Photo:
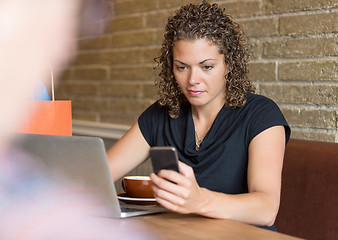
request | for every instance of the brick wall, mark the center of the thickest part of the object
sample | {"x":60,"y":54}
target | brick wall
{"x":293,"y":46}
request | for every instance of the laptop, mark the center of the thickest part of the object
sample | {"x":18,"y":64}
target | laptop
{"x":82,"y":159}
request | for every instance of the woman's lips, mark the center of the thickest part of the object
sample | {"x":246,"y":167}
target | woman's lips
{"x":195,"y":92}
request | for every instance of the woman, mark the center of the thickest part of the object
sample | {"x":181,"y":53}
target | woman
{"x":230,"y":141}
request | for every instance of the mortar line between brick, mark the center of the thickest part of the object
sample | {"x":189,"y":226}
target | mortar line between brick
{"x":276,"y":71}
{"x":293,"y":36}
{"x":320,"y":130}
{"x":289,"y":14}
{"x":308,"y":106}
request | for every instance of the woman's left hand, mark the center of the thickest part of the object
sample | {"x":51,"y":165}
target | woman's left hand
{"x":178,"y":192}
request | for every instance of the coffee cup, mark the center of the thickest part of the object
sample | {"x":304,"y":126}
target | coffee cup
{"x":137,"y":186}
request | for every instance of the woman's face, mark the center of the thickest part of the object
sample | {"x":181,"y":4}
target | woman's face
{"x":200,"y":71}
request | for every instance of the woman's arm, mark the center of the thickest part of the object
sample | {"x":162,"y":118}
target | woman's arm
{"x":259,"y":206}
{"x":127,"y":153}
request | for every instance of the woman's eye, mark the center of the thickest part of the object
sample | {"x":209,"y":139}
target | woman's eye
{"x":180,"y":68}
{"x":208,"y":67}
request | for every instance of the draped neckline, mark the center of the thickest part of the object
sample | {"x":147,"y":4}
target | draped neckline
{"x":208,"y":139}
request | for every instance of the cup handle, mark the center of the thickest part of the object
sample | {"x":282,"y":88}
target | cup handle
{"x":123,"y":186}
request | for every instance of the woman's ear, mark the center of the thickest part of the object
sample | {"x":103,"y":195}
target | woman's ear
{"x":228,"y":69}
{"x":227,"y":74}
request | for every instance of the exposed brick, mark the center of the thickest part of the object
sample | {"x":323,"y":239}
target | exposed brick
{"x":337,"y":116}
{"x":78,"y":88}
{"x":65,"y":75}
{"x":292,"y":47}
{"x":124,"y":23}
{"x":278,"y":6}
{"x":122,"y":56}
{"x":175,"y":3}
{"x":254,"y":49}
{"x":95,"y":43}
{"x":123,"y":105}
{"x":309,"y":24}
{"x":300,"y":93}
{"x":118,"y":118}
{"x":134,"y":6}
{"x":308,"y":71}
{"x":309,"y":134}
{"x":132,"y":73}
{"x":129,"y":56}
{"x":90,"y":73}
{"x":311,"y":118}
{"x":260,"y":27}
{"x":85,"y":115}
{"x":300,"y":47}
{"x":159,"y":37}
{"x":242,"y":8}
{"x":90,"y":103}
{"x":136,"y":38}
{"x":149,"y":91}
{"x":262,"y":71}
{"x":157,"y":19}
{"x":61,"y":96}
{"x":90,"y":28}
{"x":149,"y":54}
{"x":123,"y":89}
{"x":85,"y":58}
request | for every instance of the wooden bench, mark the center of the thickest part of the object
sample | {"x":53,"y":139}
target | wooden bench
{"x":309,"y":198}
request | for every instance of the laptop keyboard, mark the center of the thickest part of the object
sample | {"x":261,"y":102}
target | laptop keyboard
{"x":128,"y":209}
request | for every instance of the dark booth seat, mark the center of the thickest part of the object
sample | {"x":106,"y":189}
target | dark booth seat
{"x":309,"y":199}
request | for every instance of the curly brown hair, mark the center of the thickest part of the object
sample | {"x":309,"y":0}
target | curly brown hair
{"x":204,"y":21}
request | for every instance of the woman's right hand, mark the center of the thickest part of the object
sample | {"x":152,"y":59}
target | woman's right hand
{"x":178,"y":192}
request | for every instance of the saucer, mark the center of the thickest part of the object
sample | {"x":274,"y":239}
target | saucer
{"x":139,"y":201}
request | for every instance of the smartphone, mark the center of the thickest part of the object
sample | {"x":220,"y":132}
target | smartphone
{"x":164,"y":158}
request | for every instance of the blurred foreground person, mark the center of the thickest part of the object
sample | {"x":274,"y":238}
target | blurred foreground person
{"x":33,"y":205}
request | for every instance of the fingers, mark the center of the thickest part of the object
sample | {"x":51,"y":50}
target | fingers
{"x":167,"y":188}
{"x":177,"y":178}
{"x":167,"y":194}
{"x":174,"y":182}
{"x":175,"y":191}
{"x":164,"y":182}
{"x":171,"y":206}
{"x":185,"y":169}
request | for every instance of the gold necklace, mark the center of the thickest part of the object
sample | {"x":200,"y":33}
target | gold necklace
{"x":198,"y":141}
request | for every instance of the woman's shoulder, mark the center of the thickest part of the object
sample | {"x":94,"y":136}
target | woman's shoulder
{"x":156,"y":107}
{"x":260,"y":105}
{"x":252,"y":97}
{"x":154,"y":111}
{"x":265,"y":113}
{"x":258,"y":101}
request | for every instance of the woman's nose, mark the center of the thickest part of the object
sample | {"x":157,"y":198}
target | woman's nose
{"x":194,"y":77}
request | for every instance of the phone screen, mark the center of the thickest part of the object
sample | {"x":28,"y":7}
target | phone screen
{"x":164,"y":158}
